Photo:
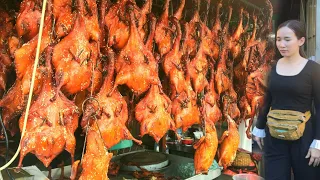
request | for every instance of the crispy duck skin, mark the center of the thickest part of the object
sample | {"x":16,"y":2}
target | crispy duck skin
{"x":235,"y":45}
{"x":117,"y":22}
{"x":117,"y":25}
{"x":28,"y":20}
{"x":245,"y":109}
{"x":142,"y":16}
{"x":163,"y":33}
{"x":185,"y":109}
{"x":229,"y":144}
{"x":96,"y":159}
{"x":75,"y":56}
{"x":172,"y":63}
{"x":25,"y":55}
{"x":95,"y":162}
{"x":198,"y":67}
{"x":50,"y":124}
{"x":222,"y":79}
{"x":12,"y":104}
{"x":223,"y":74}
{"x":211,"y":110}
{"x":255,"y":90}
{"x":64,"y":14}
{"x":14,"y":101}
{"x":109,"y":111}
{"x":5,"y":59}
{"x":206,"y":149}
{"x":190,"y":46}
{"x":154,"y":114}
{"x":251,"y":42}
{"x":136,"y":66}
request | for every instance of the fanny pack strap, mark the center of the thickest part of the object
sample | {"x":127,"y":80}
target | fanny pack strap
{"x":307,"y":114}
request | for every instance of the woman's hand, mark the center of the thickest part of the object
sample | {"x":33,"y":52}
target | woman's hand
{"x":314,"y":155}
{"x":259,"y":141}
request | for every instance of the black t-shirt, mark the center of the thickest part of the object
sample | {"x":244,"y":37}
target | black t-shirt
{"x":293,"y":93}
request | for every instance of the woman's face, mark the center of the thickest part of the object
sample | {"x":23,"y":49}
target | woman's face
{"x":287,"y":42}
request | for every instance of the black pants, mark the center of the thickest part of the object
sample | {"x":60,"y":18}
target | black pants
{"x":282,"y":157}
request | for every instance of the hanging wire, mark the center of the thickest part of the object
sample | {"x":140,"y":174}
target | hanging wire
{"x":87,"y":126}
{"x":7,"y":145}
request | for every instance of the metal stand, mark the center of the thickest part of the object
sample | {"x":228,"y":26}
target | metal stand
{"x":7,"y":145}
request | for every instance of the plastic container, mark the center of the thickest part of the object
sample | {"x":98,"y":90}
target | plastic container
{"x":122,"y":144}
{"x":247,"y":177}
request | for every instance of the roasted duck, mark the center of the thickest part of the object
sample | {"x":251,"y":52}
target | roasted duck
{"x":154,"y":114}
{"x":51,"y":123}
{"x":206,"y":149}
{"x":108,"y":111}
{"x":117,"y":22}
{"x":229,"y":143}
{"x":211,"y":110}
{"x":136,"y":66}
{"x":29,"y":19}
{"x":185,"y":109}
{"x":75,"y":56}
{"x":64,"y":12}
{"x":163,"y":34}
{"x":95,"y":161}
{"x":173,"y":65}
{"x":7,"y":24}
{"x":24,"y":56}
{"x":198,"y":66}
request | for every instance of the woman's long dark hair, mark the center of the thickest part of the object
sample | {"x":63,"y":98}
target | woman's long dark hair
{"x":299,"y":30}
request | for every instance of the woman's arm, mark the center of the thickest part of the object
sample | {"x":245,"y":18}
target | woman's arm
{"x":262,"y":117}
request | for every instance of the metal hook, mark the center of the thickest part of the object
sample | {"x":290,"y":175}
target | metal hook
{"x":91,"y":98}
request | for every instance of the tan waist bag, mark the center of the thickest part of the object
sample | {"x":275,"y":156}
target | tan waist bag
{"x":287,"y":124}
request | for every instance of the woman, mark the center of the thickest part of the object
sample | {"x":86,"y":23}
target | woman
{"x":294,"y":84}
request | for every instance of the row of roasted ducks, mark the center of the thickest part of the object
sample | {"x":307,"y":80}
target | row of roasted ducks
{"x":78,"y":66}
{"x":53,"y":118}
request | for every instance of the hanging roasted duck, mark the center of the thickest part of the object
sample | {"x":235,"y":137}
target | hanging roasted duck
{"x":173,"y":65}
{"x":192,"y":37}
{"x":198,"y":66}
{"x":75,"y":57}
{"x":64,"y":12}
{"x":51,"y":122}
{"x":206,"y":149}
{"x":14,"y":101}
{"x":229,"y":143}
{"x":28,"y":20}
{"x":24,"y":56}
{"x":7,"y":24}
{"x":235,"y":45}
{"x":256,"y":86}
{"x":117,"y":22}
{"x":164,"y":31}
{"x":223,"y":73}
{"x":185,"y":109}
{"x":210,"y":41}
{"x":95,"y":161}
{"x":136,"y":66}
{"x":211,"y":109}
{"x":108,"y":110}
{"x":154,"y":114}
